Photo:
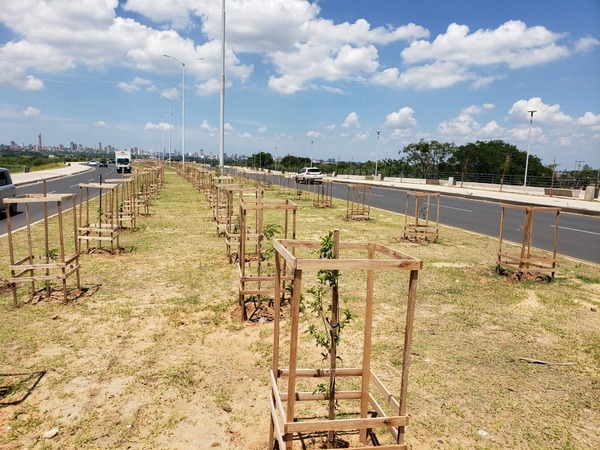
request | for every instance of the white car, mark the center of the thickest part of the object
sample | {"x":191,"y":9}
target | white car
{"x":92,"y":162}
{"x":309,"y":175}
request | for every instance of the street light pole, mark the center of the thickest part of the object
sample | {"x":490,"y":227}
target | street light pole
{"x":182,"y":106}
{"x":376,"y":153}
{"x":531,"y":111}
{"x":169,"y":99}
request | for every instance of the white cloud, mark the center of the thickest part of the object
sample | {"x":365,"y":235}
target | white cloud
{"x":30,"y":111}
{"x":361,"y":137}
{"x":162,"y":126}
{"x":135,"y":85}
{"x":351,"y":121}
{"x":403,"y":118}
{"x":544,"y":113}
{"x":101,"y":124}
{"x":262,"y":130}
{"x":478,"y":109}
{"x":205,"y":126}
{"x":313,"y":134}
{"x":590,"y":119}
{"x":586,"y":44}
{"x":512,"y":44}
{"x":429,"y":76}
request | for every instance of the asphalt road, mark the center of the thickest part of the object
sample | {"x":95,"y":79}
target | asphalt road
{"x":65,"y":185}
{"x":578,"y":235}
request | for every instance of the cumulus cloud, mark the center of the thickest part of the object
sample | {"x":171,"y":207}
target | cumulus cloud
{"x":544,"y":113}
{"x":262,"y":130}
{"x":586,"y":44}
{"x":351,"y":121}
{"x":30,"y":111}
{"x":162,"y":126}
{"x":403,"y":118}
{"x":459,"y":56}
{"x":313,"y":134}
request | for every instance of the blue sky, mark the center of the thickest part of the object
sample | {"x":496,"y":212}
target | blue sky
{"x":309,"y":78}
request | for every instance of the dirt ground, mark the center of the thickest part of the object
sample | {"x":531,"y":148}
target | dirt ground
{"x":152,"y":354}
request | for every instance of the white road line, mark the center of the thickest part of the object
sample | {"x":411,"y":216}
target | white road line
{"x":575,"y":229}
{"x":457,"y":209}
{"x":74,"y":185}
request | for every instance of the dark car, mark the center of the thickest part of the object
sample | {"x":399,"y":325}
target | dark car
{"x":103,"y":163}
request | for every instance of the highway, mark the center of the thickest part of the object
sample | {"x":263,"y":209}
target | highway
{"x":578,"y":235}
{"x":65,"y":185}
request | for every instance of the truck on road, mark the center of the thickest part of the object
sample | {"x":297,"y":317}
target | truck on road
{"x":7,"y":189}
{"x":123,"y":161}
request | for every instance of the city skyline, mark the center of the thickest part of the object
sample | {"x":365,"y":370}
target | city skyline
{"x":315,"y":79}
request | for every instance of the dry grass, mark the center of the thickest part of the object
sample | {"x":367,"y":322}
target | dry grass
{"x":154,"y":357}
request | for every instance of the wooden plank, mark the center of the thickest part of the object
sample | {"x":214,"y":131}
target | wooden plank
{"x":276,"y":424}
{"x":381,"y":413}
{"x":316,"y":396}
{"x":323,"y":373}
{"x":387,"y":395}
{"x":344,"y":424}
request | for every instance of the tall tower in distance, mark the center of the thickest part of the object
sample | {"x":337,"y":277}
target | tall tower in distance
{"x":39,"y":142}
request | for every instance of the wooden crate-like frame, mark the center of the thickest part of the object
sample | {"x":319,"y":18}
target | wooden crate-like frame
{"x":50,"y":264}
{"x":524,"y":260}
{"x":424,"y":224}
{"x":234,"y":193}
{"x":103,"y":227}
{"x":323,"y":196}
{"x":251,"y":223}
{"x":285,"y":425}
{"x":358,"y":205}
{"x":126,"y":215}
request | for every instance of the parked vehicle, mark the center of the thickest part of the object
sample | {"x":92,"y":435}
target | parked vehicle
{"x":123,"y":161}
{"x":309,"y":175}
{"x":7,"y":189}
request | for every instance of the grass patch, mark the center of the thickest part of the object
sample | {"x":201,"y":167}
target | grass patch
{"x":156,"y":358}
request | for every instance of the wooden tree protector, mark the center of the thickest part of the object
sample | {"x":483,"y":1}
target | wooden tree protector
{"x":424,"y":224}
{"x":219,"y":201}
{"x":302,"y":190}
{"x":358,"y":205}
{"x":45,"y":263}
{"x":126,"y":215}
{"x":323,"y":196}
{"x":523,"y":260}
{"x":232,"y":233}
{"x":100,"y":225}
{"x":284,"y":184}
{"x":286,"y":425}
{"x":255,"y":283}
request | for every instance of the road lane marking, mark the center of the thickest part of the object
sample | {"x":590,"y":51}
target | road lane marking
{"x":578,"y":230}
{"x":457,"y":209}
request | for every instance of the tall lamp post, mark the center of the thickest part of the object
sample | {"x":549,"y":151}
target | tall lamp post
{"x":531,"y":111}
{"x":169,"y":100}
{"x":182,"y":105}
{"x":376,"y":153}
